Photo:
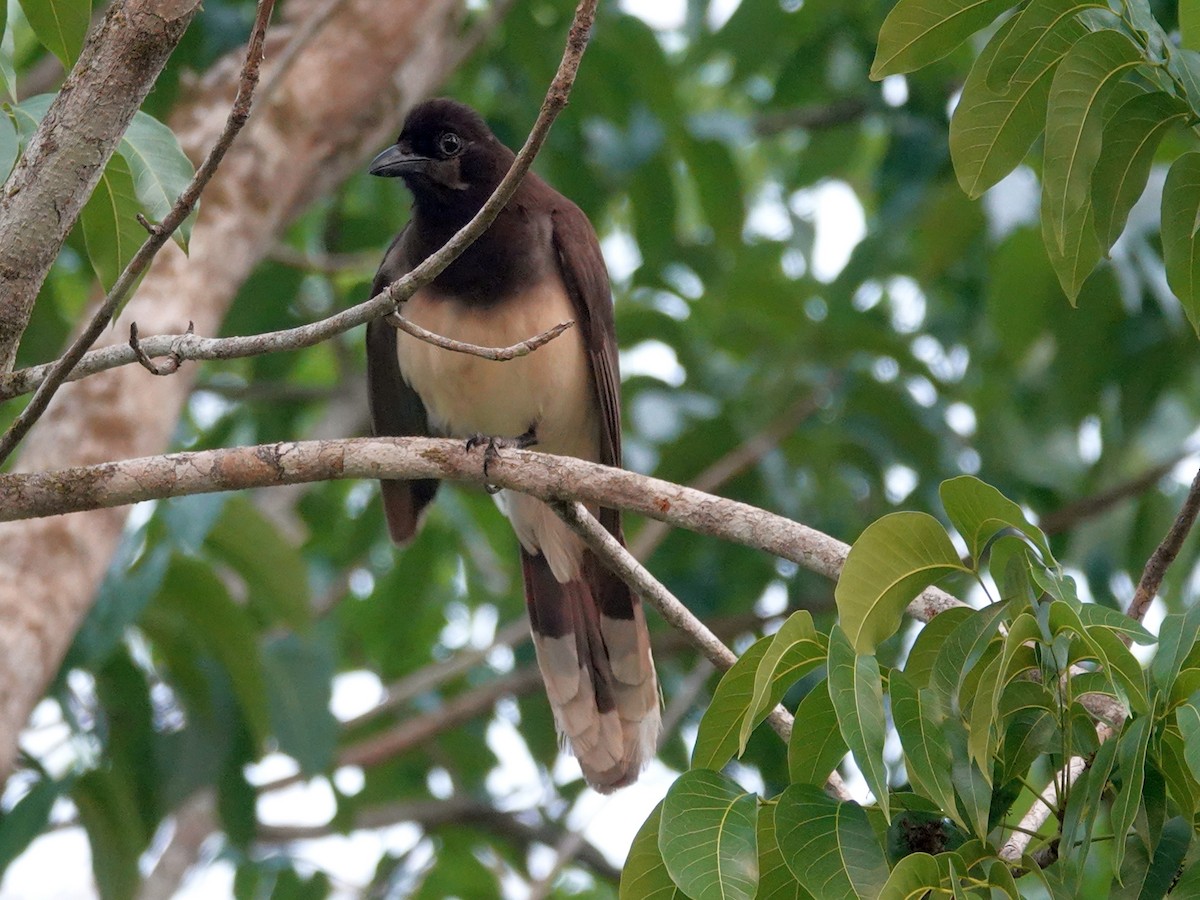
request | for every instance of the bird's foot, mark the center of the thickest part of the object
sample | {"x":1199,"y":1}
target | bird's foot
{"x":492,"y":446}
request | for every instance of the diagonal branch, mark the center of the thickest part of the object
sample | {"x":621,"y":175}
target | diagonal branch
{"x":159,"y":235}
{"x":1164,"y":554}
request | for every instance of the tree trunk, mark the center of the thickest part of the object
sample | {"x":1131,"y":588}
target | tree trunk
{"x":341,"y":97}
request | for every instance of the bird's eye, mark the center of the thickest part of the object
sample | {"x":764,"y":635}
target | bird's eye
{"x":449,"y":143}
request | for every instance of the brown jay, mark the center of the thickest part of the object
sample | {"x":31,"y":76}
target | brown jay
{"x":537,"y":265}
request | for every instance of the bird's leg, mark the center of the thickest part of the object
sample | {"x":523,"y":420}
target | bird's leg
{"x":493,"y":445}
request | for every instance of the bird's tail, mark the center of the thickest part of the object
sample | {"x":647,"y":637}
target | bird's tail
{"x":594,"y":652}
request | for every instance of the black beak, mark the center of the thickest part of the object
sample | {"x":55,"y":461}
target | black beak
{"x":393,"y":161}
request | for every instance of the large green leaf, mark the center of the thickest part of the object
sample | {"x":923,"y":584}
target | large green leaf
{"x":27,"y":819}
{"x":918,"y":32}
{"x":107,"y":812}
{"x":60,"y":25}
{"x":1131,"y":135}
{"x":979,"y":511}
{"x":644,"y":875}
{"x":299,"y":674}
{"x":1176,"y":637}
{"x":816,"y":745}
{"x":992,"y":130}
{"x":717,"y":737}
{"x":795,"y":650}
{"x":1075,"y":125}
{"x":926,"y":753}
{"x":918,"y":668}
{"x":913,"y":878}
{"x":161,"y":170}
{"x":856,"y":688}
{"x":961,"y":651}
{"x":1038,"y":23}
{"x":110,"y":225}
{"x":775,"y":879}
{"x":1181,"y":255}
{"x":893,"y":560}
{"x":708,"y":836}
{"x":829,"y":845}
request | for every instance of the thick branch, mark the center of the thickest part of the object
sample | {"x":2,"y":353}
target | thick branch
{"x":550,"y":478}
{"x":159,"y":235}
{"x":67,"y":154}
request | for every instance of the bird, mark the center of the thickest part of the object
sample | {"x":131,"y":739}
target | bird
{"x":538,"y":264}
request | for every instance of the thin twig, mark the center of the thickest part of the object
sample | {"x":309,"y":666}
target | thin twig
{"x":496,"y":354}
{"x":1164,"y":554}
{"x":1066,"y":517}
{"x":678,"y":616}
{"x":183,"y":207}
{"x":383,"y":303}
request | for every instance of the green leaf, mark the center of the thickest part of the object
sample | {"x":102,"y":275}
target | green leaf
{"x":201,"y":604}
{"x":274,"y":571}
{"x":893,"y":560}
{"x":26,"y":820}
{"x":299,"y":675}
{"x":856,"y":689}
{"x":829,"y":845}
{"x":913,"y":878}
{"x":1041,"y":21}
{"x":991,"y":131}
{"x":1181,"y":781}
{"x":717,"y":737}
{"x":973,"y":788}
{"x":108,"y":813}
{"x":161,"y":170}
{"x":1180,"y":211}
{"x":775,"y":879}
{"x":1176,"y":637}
{"x":979,"y":511}
{"x":926,"y":753}
{"x":60,"y":25}
{"x":1131,"y":760}
{"x":817,"y":745}
{"x":961,"y":651}
{"x":10,"y":144}
{"x":1131,"y":136}
{"x":1093,"y":615}
{"x":918,"y":32}
{"x":1075,"y":125}
{"x":109,"y":221}
{"x":1077,"y":256}
{"x":644,"y":875}
{"x":919,"y":665}
{"x":708,"y":836}
{"x":1187,"y":716}
{"x":795,"y":650}
{"x":1189,"y":24}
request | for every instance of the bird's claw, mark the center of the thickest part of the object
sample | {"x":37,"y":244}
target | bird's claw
{"x":492,"y":446}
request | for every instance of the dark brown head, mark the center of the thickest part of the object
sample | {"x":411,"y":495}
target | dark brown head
{"x":448,"y":158}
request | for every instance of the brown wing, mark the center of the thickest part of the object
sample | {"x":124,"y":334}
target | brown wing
{"x":396,"y":410}
{"x":586,"y":278}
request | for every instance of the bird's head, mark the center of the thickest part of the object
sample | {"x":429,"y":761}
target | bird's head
{"x":446,"y":154}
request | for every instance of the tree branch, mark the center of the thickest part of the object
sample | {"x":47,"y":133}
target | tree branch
{"x":66,"y":156}
{"x":159,"y":235}
{"x":1066,"y":517}
{"x":1164,"y":554}
{"x":547,"y":477}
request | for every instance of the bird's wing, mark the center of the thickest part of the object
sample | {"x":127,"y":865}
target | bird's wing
{"x":396,"y":410}
{"x":586,"y":279}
